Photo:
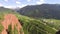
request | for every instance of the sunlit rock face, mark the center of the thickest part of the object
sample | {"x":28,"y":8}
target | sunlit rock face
{"x":12,"y":20}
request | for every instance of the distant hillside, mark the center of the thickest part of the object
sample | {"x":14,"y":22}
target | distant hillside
{"x":6,"y":10}
{"x":39,"y":11}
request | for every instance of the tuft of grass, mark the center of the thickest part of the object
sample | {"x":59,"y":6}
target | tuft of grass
{"x":10,"y":29}
{"x":15,"y":30}
{"x":1,"y":28}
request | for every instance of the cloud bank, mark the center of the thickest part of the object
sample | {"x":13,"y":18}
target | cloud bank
{"x":40,"y":2}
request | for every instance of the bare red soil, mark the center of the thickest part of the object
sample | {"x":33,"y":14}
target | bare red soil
{"x":10,"y":19}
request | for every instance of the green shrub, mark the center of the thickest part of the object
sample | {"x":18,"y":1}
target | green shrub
{"x":1,"y":27}
{"x":10,"y":29}
{"x":15,"y":30}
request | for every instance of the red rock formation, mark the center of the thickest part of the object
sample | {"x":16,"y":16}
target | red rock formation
{"x":10,"y":19}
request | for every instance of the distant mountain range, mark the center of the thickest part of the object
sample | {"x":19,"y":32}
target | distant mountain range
{"x":38,"y":11}
{"x":41,"y":11}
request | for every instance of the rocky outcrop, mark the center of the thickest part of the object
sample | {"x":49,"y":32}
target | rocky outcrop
{"x":11,"y":20}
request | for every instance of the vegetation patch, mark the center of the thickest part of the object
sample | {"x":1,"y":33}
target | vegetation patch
{"x":10,"y":31}
{"x":15,"y":30}
{"x":1,"y":28}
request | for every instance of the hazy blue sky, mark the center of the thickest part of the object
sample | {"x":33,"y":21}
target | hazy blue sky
{"x":22,"y":3}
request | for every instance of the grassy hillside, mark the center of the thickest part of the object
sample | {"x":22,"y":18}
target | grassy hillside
{"x":53,"y":22}
{"x":34,"y":26}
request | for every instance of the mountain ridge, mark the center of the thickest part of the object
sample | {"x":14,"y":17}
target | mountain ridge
{"x":39,"y":11}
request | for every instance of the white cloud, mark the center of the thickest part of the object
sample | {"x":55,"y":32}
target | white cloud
{"x":40,"y":2}
{"x":6,"y":0}
{"x":1,"y":5}
{"x":8,"y":6}
{"x":11,"y":7}
{"x":22,"y":5}
{"x":28,"y":0}
{"x":17,"y":2}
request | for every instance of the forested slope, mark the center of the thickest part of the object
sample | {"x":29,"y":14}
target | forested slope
{"x":41,"y":11}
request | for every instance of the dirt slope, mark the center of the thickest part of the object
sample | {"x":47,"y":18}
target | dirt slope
{"x":13,"y":20}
